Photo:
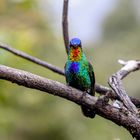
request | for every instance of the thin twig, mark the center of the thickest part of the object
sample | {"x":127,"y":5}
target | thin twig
{"x":65,"y":24}
{"x":31,"y":58}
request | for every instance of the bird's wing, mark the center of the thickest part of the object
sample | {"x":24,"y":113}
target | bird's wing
{"x":66,"y":75}
{"x":92,"y":78}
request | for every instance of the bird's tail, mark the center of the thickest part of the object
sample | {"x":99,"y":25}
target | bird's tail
{"x":88,"y":112}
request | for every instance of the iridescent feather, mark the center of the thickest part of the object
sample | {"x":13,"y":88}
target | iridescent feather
{"x":79,"y":72}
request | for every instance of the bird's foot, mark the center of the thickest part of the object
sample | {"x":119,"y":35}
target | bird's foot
{"x":83,"y":95}
{"x":104,"y":99}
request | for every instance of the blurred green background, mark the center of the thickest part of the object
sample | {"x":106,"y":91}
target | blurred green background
{"x":27,"y":114}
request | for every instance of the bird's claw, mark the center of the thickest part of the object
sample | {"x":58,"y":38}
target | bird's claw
{"x":83,"y":95}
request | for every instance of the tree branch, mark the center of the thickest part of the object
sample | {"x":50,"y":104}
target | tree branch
{"x":128,"y":67}
{"x":116,"y":84}
{"x":121,"y":117}
{"x":31,"y":58}
{"x":104,"y":90}
{"x":99,"y":88}
{"x":65,"y":24}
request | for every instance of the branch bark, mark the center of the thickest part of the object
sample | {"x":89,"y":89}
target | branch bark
{"x":129,"y":66}
{"x":116,"y":83}
{"x":121,"y":116}
{"x":102,"y":90}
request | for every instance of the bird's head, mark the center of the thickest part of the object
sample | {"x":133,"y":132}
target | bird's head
{"x":75,"y":51}
{"x":75,"y":43}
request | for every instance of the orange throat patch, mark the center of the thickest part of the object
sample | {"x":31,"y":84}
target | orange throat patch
{"x":75,"y":54}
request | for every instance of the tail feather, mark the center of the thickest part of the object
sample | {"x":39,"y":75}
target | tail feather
{"x":88,"y":112}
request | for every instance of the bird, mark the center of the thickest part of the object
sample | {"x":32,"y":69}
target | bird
{"x":79,"y":72}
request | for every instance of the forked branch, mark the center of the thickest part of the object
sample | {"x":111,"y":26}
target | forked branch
{"x":116,"y":84}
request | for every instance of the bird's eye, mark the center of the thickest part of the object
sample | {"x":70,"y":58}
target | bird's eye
{"x":71,"y":45}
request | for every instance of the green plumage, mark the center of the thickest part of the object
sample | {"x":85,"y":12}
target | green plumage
{"x":79,"y":72}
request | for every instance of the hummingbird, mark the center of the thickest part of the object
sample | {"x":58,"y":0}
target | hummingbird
{"x":79,"y":72}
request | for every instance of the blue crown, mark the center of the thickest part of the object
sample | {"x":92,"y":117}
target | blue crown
{"x":75,"y":42}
